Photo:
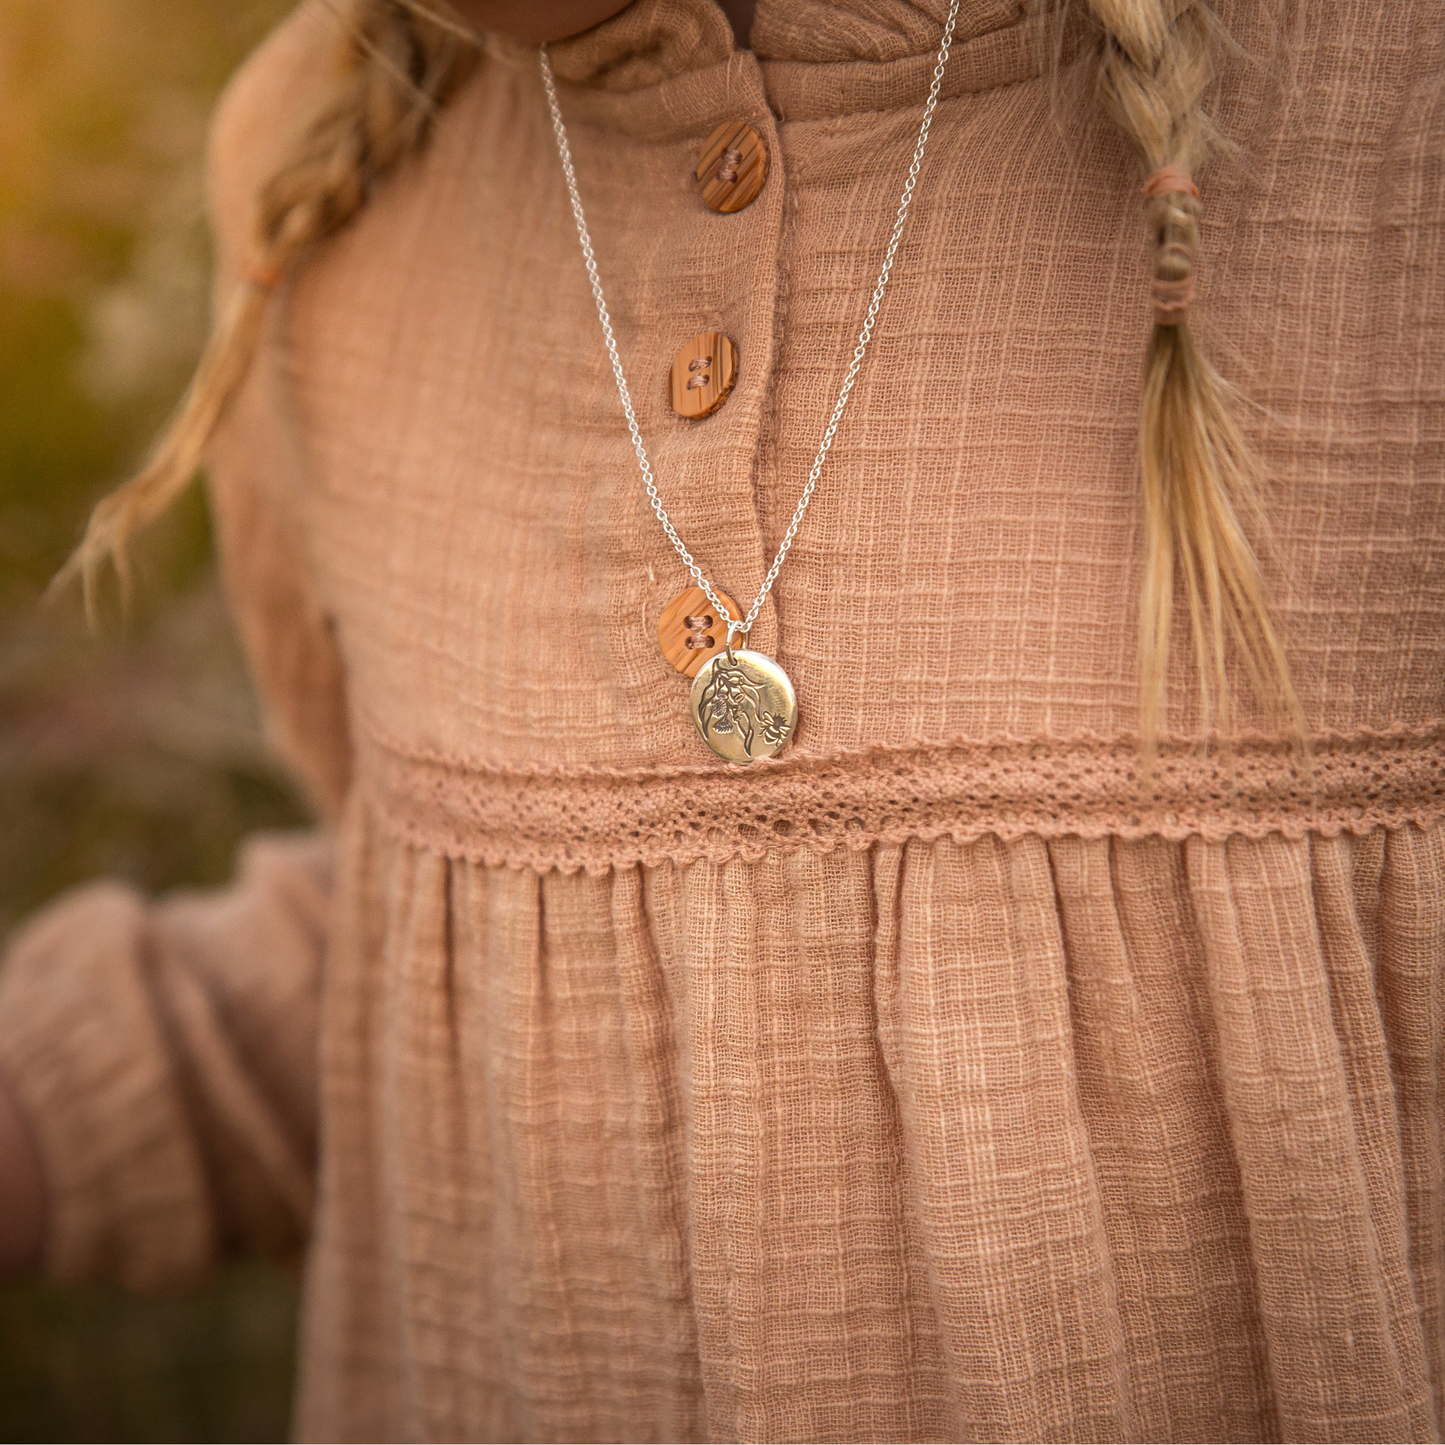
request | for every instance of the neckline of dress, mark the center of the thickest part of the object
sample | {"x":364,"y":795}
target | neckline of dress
{"x":663,"y":66}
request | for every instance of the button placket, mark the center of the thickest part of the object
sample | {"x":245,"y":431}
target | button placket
{"x":713,"y":506}
{"x":680,"y":269}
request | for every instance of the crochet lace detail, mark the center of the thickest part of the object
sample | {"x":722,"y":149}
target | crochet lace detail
{"x":1089,"y":786}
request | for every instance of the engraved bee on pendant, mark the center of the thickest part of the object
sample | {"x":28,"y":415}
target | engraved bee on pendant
{"x":744,"y":706}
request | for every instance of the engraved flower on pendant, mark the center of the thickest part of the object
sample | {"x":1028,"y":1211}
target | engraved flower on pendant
{"x":744,"y":706}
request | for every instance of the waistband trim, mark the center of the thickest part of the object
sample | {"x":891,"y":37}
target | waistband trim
{"x":596,"y":818}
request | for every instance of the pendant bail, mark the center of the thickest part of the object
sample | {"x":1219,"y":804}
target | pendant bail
{"x":741,"y":631}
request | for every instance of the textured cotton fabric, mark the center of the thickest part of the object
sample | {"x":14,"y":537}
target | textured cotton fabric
{"x":945,"y":1078}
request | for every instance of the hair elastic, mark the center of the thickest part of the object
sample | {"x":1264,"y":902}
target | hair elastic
{"x":1170,"y":180}
{"x":1172,"y":299}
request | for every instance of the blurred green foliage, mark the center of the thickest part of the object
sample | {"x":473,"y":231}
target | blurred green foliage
{"x":137,"y":754}
{"x":96,"y":1364}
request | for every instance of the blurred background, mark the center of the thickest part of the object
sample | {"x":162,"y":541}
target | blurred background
{"x":137,"y":752}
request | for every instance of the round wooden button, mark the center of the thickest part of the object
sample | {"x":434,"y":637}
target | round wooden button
{"x":732,"y":167}
{"x":703,"y":373}
{"x":690,"y":630}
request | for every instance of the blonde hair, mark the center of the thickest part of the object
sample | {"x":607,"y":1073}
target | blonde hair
{"x":400,"y":64}
{"x":1198,"y":473}
{"x":1197,"y":468}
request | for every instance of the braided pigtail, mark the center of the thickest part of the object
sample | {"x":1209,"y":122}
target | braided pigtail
{"x":1198,"y":471}
{"x":401,"y":63}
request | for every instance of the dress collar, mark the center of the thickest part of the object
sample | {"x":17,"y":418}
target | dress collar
{"x":646,"y":69}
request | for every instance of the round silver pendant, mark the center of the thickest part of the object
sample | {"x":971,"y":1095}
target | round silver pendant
{"x":744,"y":706}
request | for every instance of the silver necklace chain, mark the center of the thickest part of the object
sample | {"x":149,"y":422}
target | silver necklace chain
{"x":859,"y":351}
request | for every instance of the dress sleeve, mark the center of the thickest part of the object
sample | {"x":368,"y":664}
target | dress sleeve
{"x":164,"y":1053}
{"x":164,"y":1056}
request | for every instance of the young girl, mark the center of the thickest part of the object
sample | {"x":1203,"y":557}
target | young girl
{"x":997,"y":994}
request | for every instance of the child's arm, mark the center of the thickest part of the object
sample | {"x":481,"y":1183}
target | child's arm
{"x":162,"y":1057}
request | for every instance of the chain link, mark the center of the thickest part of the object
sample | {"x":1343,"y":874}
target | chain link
{"x":744,"y":626}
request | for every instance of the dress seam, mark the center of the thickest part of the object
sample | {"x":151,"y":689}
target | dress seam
{"x":594,"y":818}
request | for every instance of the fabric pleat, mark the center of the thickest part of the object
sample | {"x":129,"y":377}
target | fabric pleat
{"x":1145,"y":1048}
{"x":1328,"y":1250}
{"x":1000,"y":1175}
{"x":1401,"y":905}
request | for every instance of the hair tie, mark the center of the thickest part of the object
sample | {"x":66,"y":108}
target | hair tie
{"x":1172,"y":295}
{"x":1171,"y":300}
{"x":1170,"y":180}
{"x":263,"y":275}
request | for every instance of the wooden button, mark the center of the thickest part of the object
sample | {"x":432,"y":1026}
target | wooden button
{"x":703,"y":373}
{"x":690,"y":630}
{"x":733,"y":167}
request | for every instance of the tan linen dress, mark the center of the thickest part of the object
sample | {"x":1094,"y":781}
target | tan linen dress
{"x":939,"y":1080}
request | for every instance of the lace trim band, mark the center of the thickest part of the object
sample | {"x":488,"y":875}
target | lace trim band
{"x":596,"y":818}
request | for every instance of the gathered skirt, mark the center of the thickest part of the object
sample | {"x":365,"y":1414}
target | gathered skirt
{"x":1004,"y":1140}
